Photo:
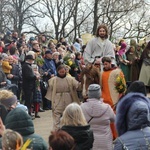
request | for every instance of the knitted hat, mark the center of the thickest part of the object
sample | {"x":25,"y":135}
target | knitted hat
{"x":94,"y":91}
{"x":4,"y":56}
{"x":9,"y":101}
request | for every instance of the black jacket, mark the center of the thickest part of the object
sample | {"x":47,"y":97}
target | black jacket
{"x":28,"y":76}
{"x":82,"y":135}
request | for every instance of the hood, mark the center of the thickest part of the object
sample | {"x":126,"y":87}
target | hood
{"x":132,"y":113}
{"x":18,"y":120}
{"x":82,"y":134}
{"x":94,"y":107}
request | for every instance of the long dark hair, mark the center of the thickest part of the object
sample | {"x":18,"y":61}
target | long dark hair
{"x":104,"y":27}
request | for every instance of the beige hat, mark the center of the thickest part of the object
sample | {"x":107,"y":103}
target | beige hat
{"x":55,"y":53}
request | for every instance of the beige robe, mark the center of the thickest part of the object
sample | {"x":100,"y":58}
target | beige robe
{"x":62,"y":92}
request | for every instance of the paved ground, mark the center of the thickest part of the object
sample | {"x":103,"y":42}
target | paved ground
{"x":43,"y":125}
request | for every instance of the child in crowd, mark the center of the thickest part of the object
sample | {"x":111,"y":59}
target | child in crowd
{"x":61,"y":140}
{"x":5,"y":64}
{"x":37,"y":97}
{"x":11,"y":140}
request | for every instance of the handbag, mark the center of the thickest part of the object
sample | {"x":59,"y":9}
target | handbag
{"x":44,"y":85}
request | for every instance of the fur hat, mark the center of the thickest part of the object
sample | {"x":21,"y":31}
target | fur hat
{"x":124,"y":107}
{"x":9,"y":101}
{"x":94,"y":91}
{"x":137,"y":86}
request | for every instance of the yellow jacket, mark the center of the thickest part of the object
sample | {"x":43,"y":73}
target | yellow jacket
{"x":6,"y":67}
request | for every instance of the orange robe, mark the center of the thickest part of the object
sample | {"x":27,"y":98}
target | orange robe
{"x":109,"y":94}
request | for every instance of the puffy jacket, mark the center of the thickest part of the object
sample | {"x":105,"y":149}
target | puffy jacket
{"x":132,"y":122}
{"x":82,"y":135}
{"x":18,"y":120}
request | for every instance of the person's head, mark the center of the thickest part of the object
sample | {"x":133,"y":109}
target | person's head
{"x":43,"y":38}
{"x":132,"y":113}
{"x":72,"y":56}
{"x":31,"y":39}
{"x":102,"y":31}
{"x":8,"y":99}
{"x":61,"y":71}
{"x":73,"y":116}
{"x":61,"y":140}
{"x":11,"y":60}
{"x":67,"y":68}
{"x":131,"y":49}
{"x":48,"y":54}
{"x":4,"y":56}
{"x":55,"y":55}
{"x":13,"y":50}
{"x":106,"y":63}
{"x":31,"y":53}
{"x":30,"y":59}
{"x":11,"y":140}
{"x":20,"y":121}
{"x":78,"y":55}
{"x":36,"y":47}
{"x":94,"y":91}
{"x":62,"y":39}
{"x":137,"y":87}
{"x":34,"y":67}
{"x":15,"y":34}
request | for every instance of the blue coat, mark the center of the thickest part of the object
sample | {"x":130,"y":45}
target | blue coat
{"x":133,"y":122}
{"x":49,"y":65}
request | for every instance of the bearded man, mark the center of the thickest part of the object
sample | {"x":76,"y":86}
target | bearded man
{"x":99,"y":47}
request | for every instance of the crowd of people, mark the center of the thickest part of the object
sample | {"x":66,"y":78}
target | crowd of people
{"x":42,"y":74}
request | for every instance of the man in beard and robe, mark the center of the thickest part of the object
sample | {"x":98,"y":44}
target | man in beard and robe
{"x":62,"y":91}
{"x":99,"y":47}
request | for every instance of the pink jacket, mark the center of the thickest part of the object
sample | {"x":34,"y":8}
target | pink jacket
{"x":99,"y":115}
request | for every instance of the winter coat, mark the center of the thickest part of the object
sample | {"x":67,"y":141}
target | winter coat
{"x":6,"y":67}
{"x":18,"y":120}
{"x":132,"y":122}
{"x":2,"y":76}
{"x":99,"y":115}
{"x":28,"y":77}
{"x":82,"y":135}
{"x":49,"y":66}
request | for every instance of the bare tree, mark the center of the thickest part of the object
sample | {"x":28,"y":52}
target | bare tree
{"x":4,"y":17}
{"x":21,"y":11}
{"x":65,"y":15}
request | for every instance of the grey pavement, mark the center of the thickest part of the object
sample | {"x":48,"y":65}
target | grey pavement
{"x":43,"y":125}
